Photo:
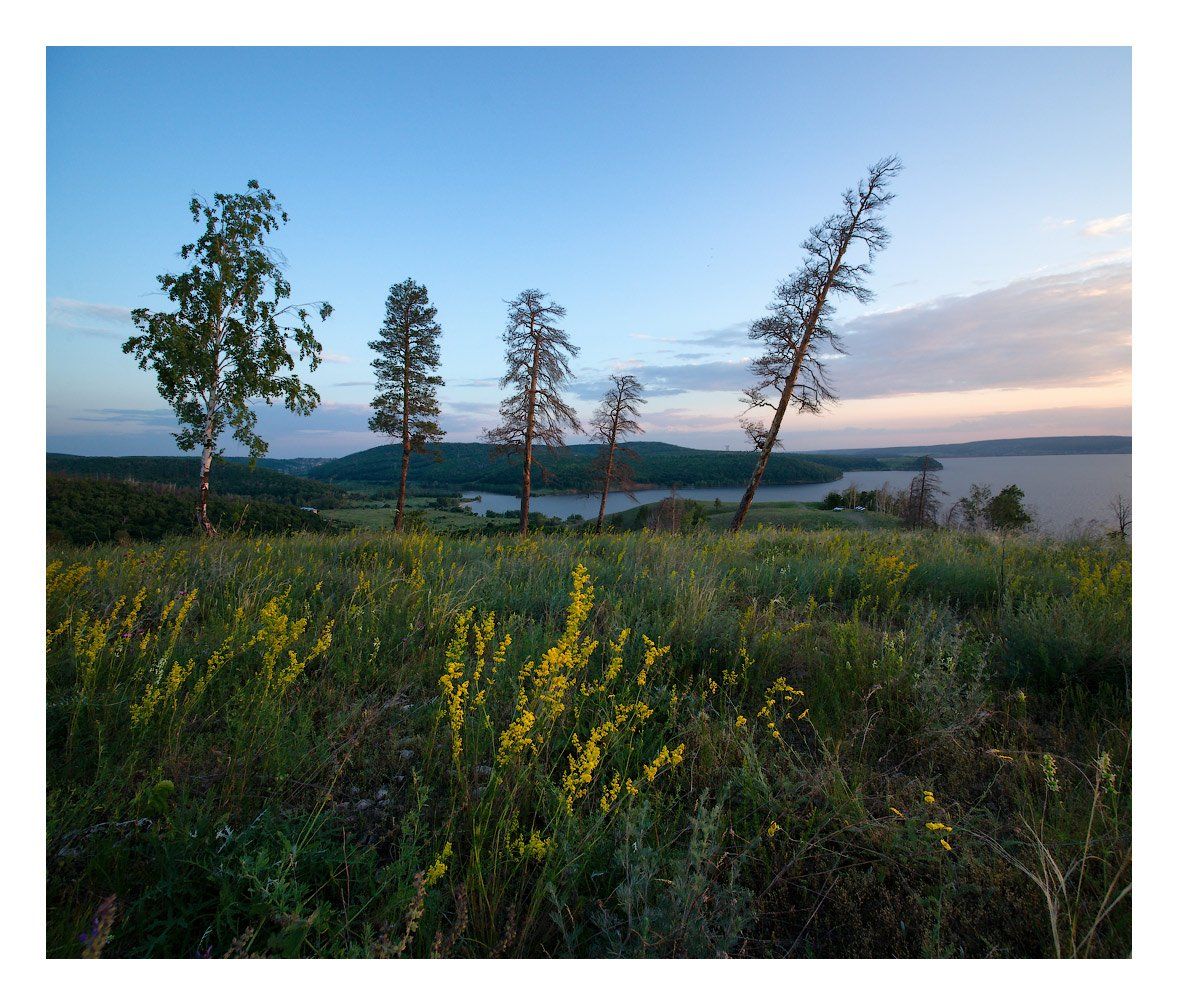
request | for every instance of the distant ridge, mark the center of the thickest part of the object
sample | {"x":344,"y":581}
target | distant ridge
{"x":1026,"y":446}
{"x":472,"y":466}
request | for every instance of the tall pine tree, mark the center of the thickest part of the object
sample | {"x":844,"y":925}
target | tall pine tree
{"x":537,"y":357}
{"x":406,"y":404}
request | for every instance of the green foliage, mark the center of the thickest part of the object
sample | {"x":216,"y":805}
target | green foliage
{"x":302,"y":696}
{"x":234,"y":476}
{"x":473,"y":467}
{"x":1005,"y":511}
{"x":225,"y":345}
{"x":407,"y":355}
{"x":97,"y":511}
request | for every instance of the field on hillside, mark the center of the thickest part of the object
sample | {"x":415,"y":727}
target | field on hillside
{"x":781,"y":743}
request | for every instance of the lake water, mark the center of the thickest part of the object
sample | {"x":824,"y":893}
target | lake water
{"x":1061,"y":490}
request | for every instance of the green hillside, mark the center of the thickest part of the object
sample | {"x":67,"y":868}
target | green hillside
{"x":470,"y":466}
{"x":230,"y":476}
{"x":81,"y":510}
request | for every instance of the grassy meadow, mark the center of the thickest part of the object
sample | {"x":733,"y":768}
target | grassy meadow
{"x":783,"y":743}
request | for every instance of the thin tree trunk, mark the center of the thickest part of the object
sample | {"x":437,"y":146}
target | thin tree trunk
{"x":526,"y":492}
{"x":404,"y":480}
{"x":206,"y":464}
{"x":397,"y":524}
{"x":920,"y":503}
{"x":746,"y":501}
{"x":609,"y":470}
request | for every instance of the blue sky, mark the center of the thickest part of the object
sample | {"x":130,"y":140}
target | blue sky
{"x":658,"y":194}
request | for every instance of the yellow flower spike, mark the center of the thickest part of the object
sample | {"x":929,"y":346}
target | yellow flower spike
{"x":772,"y":829}
{"x":740,"y":721}
{"x":897,"y":812}
{"x":946,"y":845}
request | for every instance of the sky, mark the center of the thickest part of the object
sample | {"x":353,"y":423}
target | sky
{"x":658,"y":194}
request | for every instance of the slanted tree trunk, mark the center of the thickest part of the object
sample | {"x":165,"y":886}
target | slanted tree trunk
{"x":609,"y":470}
{"x":812,"y":319}
{"x":746,"y":500}
{"x":529,"y":431}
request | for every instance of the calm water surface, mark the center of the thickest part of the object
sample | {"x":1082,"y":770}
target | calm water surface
{"x":1063,"y":490}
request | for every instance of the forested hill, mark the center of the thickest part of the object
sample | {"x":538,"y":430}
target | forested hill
{"x":81,"y":510}
{"x":470,"y":466}
{"x":230,"y":477}
{"x":1026,"y":446}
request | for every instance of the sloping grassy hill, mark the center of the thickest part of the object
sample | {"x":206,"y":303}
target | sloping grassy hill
{"x":470,"y":466}
{"x":229,"y":477}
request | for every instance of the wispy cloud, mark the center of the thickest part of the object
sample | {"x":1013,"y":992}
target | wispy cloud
{"x":1109,"y":226}
{"x":336,"y":357}
{"x":1045,"y":331}
{"x":79,"y":317}
{"x":140,"y":418}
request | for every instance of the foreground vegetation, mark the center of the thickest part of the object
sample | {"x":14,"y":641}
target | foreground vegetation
{"x":774,"y":744}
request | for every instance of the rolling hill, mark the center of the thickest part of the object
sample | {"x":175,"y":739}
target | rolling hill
{"x":81,"y":510}
{"x":471,"y":467}
{"x":230,"y":476}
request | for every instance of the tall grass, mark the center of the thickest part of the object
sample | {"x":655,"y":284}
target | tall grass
{"x":631,"y":744}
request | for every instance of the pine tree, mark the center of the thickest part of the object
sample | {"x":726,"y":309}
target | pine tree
{"x":537,"y":357}
{"x":616,"y":418}
{"x":796,"y":334}
{"x":406,"y":404}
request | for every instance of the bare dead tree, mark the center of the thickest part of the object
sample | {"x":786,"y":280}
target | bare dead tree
{"x":796,"y":334}
{"x":1122,"y":513}
{"x":537,"y":357}
{"x":924,"y":492}
{"x":616,"y":418}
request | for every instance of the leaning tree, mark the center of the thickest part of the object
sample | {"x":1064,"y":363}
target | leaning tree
{"x":796,"y":335}
{"x":227,"y":344}
{"x":405,"y":407}
{"x":537,"y":357}
{"x":615,"y":419}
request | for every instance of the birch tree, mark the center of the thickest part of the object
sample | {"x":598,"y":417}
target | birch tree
{"x":537,"y":357}
{"x":405,"y":407}
{"x":230,"y":340}
{"x":615,"y":419}
{"x":796,"y":334}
